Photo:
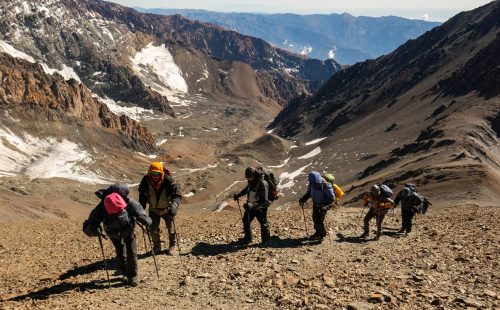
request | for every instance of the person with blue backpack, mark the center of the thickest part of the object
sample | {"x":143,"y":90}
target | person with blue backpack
{"x":322,"y":195}
{"x":379,"y":200}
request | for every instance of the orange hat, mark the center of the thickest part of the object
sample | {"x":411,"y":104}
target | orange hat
{"x":156,"y":166}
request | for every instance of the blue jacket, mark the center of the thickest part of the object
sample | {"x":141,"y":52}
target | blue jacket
{"x":321,"y":192}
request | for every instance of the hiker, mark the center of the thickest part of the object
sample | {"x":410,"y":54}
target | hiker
{"x":411,"y":204}
{"x":257,"y":192}
{"x":118,"y":213}
{"x":379,"y":201}
{"x":159,"y":190}
{"x":323,"y":197}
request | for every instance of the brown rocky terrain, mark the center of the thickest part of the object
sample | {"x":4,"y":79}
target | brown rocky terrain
{"x":450,"y":261}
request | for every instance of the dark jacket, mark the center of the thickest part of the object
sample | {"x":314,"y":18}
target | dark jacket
{"x":321,"y":192}
{"x":98,"y":215}
{"x":409,"y":198}
{"x":260,"y":186}
{"x":169,"y":188}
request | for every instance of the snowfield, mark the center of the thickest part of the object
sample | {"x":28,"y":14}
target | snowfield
{"x":44,"y":158}
{"x":157,"y":69}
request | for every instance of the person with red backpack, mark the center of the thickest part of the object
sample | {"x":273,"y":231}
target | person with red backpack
{"x":257,"y":192}
{"x":323,"y":197}
{"x":118,"y":213}
{"x":379,"y":201}
{"x":163,"y":195}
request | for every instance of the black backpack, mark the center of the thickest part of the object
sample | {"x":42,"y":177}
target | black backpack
{"x":269,"y":177}
{"x":118,"y":225}
{"x":411,"y":198}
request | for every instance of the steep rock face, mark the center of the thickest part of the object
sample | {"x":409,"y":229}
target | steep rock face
{"x":82,"y":44}
{"x":26,"y":85}
{"x":215,"y":41}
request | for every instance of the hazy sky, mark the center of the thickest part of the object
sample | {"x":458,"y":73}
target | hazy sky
{"x":438,"y":10}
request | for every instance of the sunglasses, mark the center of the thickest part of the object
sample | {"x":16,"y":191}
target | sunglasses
{"x":155,"y":174}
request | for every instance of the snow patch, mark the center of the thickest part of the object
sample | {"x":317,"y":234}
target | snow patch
{"x":190,"y":194}
{"x":66,"y":72}
{"x":315,"y":141}
{"x":290,"y":178}
{"x":44,"y":158}
{"x":136,"y":113}
{"x":283,"y":164}
{"x":312,"y":153}
{"x":161,"y":142}
{"x":156,"y":67}
{"x":221,"y":206}
{"x":189,"y":170}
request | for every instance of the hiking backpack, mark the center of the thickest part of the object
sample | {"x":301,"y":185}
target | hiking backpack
{"x":385,"y":191}
{"x":117,"y":220}
{"x":269,"y":177}
{"x":339,"y":193}
{"x":411,"y":198}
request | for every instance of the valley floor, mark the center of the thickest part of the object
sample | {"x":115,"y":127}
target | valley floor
{"x":450,"y":261}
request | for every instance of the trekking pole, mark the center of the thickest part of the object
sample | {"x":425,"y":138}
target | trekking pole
{"x":361,"y":215}
{"x":304,"y":215}
{"x":104,"y":256}
{"x":328,"y":228}
{"x":153,"y":252}
{"x":176,"y":235}
{"x":143,"y":236}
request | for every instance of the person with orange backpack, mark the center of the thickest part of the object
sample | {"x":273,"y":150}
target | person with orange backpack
{"x":163,"y":195}
{"x":379,"y":201}
{"x":323,"y":197}
{"x":118,"y":213}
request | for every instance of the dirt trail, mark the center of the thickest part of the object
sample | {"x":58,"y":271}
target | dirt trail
{"x":450,"y":261}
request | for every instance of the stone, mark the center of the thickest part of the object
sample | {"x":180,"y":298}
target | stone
{"x":376,"y":297}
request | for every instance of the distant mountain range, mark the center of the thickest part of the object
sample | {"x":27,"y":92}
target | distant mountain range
{"x":343,"y":37}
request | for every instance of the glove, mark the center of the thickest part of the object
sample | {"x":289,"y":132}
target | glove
{"x":173,"y":208}
{"x":302,"y":201}
{"x":235,"y":197}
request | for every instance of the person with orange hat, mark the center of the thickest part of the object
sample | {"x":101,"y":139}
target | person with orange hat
{"x":159,"y":190}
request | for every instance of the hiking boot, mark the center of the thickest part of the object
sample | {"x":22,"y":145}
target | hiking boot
{"x":172,"y":251}
{"x":119,"y":271}
{"x":156,"y":250}
{"x":244,"y":241}
{"x":401,"y":231}
{"x":132,"y":281}
{"x":364,"y":236}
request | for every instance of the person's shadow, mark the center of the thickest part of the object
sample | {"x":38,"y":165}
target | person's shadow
{"x":350,"y":239}
{"x":63,"y":287}
{"x":89,"y":268}
{"x":207,"y":249}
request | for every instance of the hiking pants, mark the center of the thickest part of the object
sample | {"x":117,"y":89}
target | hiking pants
{"x":318,"y":216}
{"x":379,"y":216}
{"x":407,"y":214}
{"x":261,"y":215}
{"x":128,"y":262}
{"x":155,"y":229}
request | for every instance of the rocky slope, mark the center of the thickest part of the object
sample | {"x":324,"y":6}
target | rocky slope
{"x":441,"y":265}
{"x":421,"y":113}
{"x":343,"y":37}
{"x":29,"y":91}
